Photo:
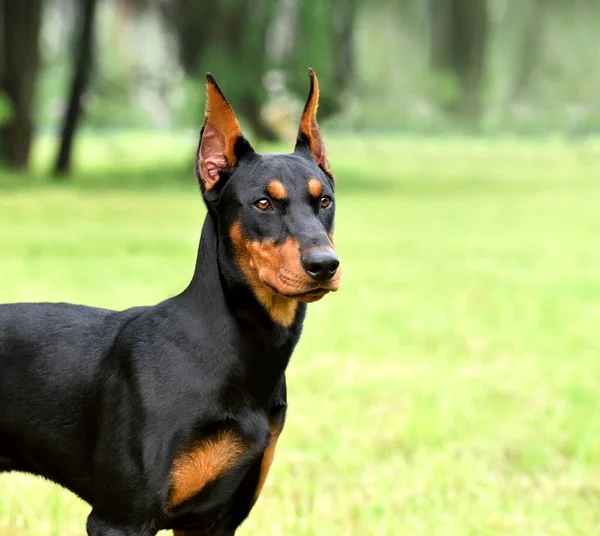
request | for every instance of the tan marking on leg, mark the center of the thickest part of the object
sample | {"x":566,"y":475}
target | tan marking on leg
{"x":277,"y":190}
{"x":194,"y":469}
{"x":315,"y":188}
{"x":267,"y":460}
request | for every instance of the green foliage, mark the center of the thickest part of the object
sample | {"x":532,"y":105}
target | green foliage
{"x":392,"y":88}
{"x":189,"y":110}
{"x":231,"y":45}
{"x":396,"y":89}
{"x":449,"y":388}
{"x":5,"y":109}
{"x":316,"y":48}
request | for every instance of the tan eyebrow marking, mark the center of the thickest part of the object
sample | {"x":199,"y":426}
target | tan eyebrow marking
{"x":277,"y":190}
{"x":315,"y":188}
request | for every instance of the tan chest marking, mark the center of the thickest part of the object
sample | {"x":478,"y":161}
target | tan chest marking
{"x":197,"y":467}
{"x":268,"y":458}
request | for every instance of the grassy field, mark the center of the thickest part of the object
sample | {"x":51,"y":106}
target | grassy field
{"x":451,"y":387}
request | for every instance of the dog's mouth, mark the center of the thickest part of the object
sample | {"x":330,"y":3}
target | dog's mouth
{"x":295,"y":286}
{"x":307,"y":296}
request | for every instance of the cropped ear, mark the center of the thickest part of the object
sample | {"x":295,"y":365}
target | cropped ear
{"x":221,"y":132}
{"x":309,"y":136}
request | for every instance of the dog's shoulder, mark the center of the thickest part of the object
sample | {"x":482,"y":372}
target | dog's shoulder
{"x":46,"y":321}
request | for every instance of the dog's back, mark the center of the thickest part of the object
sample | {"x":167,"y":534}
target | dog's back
{"x":46,"y":386}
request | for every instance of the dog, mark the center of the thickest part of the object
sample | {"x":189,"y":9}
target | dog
{"x":167,"y":416}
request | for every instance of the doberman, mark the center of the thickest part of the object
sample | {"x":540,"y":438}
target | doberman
{"x":167,"y":416}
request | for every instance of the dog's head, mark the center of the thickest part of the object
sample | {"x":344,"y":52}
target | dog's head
{"x":275,"y":212}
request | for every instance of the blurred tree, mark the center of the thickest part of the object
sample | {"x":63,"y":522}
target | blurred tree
{"x":227,"y":37}
{"x":184,"y":18}
{"x":325,"y":31}
{"x":459,"y":33}
{"x":20,"y":23}
{"x":83,"y":55}
{"x":345,"y":28}
{"x":534,"y":15}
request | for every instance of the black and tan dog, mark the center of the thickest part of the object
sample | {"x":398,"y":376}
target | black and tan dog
{"x":167,"y":417}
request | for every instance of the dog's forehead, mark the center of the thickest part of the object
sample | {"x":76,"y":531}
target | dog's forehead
{"x":290,"y":169}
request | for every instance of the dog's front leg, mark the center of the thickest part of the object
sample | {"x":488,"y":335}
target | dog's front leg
{"x":97,"y":525}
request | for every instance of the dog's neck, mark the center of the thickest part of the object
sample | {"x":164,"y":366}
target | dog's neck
{"x":205,"y":291}
{"x":264,"y":346}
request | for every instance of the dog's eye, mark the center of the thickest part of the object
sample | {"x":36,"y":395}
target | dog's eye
{"x":325,"y":201}
{"x":263,"y":204}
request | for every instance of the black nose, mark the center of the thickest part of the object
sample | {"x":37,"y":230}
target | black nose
{"x":320,"y":264}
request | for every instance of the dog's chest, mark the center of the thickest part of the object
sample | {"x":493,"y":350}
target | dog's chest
{"x":226,"y":467}
{"x":207,"y":461}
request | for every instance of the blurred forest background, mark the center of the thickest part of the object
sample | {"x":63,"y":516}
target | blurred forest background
{"x":450,"y":388}
{"x":434,"y":66}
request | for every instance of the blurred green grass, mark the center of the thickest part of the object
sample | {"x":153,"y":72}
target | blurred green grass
{"x":451,"y":387}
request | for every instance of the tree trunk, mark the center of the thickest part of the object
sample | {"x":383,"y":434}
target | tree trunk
{"x":231,"y":37}
{"x":459,"y":31}
{"x":529,"y":51}
{"x":440,"y":12}
{"x":326,"y":29}
{"x":344,"y":13}
{"x":188,"y":19}
{"x":81,"y":76}
{"x":20,"y":23}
